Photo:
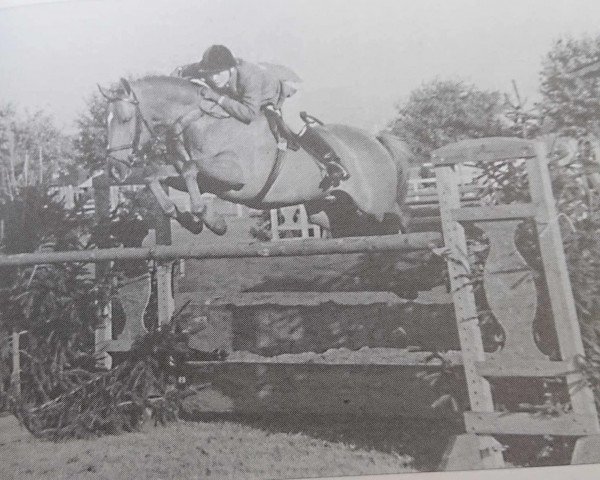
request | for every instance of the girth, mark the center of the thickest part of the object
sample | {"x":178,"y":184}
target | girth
{"x":275,"y":125}
{"x":273,"y":174}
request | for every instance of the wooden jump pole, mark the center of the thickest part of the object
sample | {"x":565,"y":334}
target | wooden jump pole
{"x":388,"y":243}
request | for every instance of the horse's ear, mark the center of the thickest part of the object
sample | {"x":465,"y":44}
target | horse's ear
{"x":126,"y":86}
{"x":106,"y":94}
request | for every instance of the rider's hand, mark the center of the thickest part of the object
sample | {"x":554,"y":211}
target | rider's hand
{"x":199,"y":82}
{"x":210,"y":94}
{"x":205,"y":90}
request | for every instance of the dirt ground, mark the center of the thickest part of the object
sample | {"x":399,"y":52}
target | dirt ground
{"x":190,"y":450}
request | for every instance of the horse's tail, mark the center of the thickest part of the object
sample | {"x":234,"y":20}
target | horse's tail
{"x":401,"y":156}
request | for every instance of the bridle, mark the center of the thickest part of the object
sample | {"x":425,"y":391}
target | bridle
{"x":184,"y":121}
{"x":140,"y":123}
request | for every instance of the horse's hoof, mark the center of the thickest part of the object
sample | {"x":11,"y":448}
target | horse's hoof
{"x":172,"y":213}
{"x":216,"y":224}
{"x":189,"y":222}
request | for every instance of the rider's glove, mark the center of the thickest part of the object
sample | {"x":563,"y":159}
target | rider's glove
{"x":210,"y":94}
{"x":205,"y":90}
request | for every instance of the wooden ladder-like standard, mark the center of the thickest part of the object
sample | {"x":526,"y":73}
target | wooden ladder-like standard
{"x":512,"y":297}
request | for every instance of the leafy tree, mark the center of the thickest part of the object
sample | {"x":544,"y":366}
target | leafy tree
{"x":571,"y":103}
{"x":91,"y":138}
{"x":445,"y":111}
{"x":36,"y":134}
{"x":31,"y":139}
{"x":7,"y":116}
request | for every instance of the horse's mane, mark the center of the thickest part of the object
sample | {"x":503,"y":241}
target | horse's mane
{"x":165,"y":80}
{"x":169,"y":85}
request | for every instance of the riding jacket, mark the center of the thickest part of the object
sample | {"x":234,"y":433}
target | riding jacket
{"x":250,"y":88}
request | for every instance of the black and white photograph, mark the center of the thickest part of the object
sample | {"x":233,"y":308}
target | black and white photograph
{"x":299,"y":239}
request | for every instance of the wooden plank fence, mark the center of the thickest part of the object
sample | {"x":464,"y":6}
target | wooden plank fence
{"x":509,"y":290}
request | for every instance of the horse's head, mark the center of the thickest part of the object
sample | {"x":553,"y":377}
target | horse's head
{"x":133,"y":125}
{"x":128,"y":130}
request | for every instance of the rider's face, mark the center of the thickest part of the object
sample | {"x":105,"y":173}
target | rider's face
{"x":220,"y":79}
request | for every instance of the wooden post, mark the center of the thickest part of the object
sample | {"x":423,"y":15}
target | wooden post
{"x":166,"y":300}
{"x":274,"y":224}
{"x":103,"y":334}
{"x":557,"y":278}
{"x":16,"y":363}
{"x":563,"y":305}
{"x":466,"y":317}
{"x":69,"y":193}
{"x":164,"y":271}
{"x":102,"y":338}
{"x":114,"y":197}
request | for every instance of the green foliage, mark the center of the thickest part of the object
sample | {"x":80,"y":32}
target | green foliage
{"x":87,"y":403}
{"x":7,"y":114}
{"x":7,"y":117}
{"x":445,"y":111}
{"x":55,"y":308}
{"x":91,"y":138}
{"x":32,"y":149}
{"x":34,"y":218}
{"x":37,"y":131}
{"x":572,"y":104}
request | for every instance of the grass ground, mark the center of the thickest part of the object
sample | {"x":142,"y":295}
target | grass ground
{"x":222,"y":449}
{"x":188,"y":450}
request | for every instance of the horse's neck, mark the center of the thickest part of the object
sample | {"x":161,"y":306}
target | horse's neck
{"x":166,"y":108}
{"x":168,"y":114}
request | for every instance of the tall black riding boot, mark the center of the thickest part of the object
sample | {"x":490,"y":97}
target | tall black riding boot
{"x":315,"y":145}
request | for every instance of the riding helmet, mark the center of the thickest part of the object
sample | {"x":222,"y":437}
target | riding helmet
{"x":216,"y":59}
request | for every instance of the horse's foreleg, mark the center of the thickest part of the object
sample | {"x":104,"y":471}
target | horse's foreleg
{"x":214,"y":222}
{"x":185,"y":219}
{"x":166,"y":204}
{"x":190,"y":175}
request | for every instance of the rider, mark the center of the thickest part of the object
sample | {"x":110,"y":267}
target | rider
{"x":243,"y":89}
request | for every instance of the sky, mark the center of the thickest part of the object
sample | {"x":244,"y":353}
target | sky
{"x":357,"y":58}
